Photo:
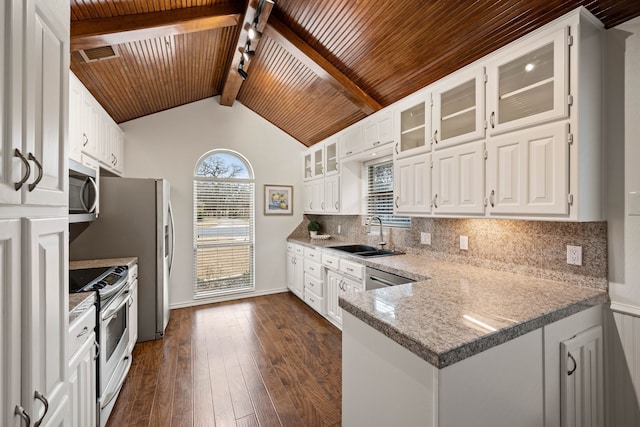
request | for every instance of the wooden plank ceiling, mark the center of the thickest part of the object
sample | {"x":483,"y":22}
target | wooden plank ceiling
{"x":319,"y":65}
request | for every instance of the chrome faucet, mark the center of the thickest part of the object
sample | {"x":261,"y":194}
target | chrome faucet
{"x":382,"y":242}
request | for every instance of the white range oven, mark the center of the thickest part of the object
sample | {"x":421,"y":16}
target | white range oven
{"x":112,"y":329}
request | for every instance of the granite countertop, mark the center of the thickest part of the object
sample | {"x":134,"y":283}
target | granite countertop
{"x":103,"y":262}
{"x":459,"y":310}
{"x":79,"y":302}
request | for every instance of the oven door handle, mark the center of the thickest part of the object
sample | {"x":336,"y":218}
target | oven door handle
{"x":112,"y":312}
{"x":113,"y":393}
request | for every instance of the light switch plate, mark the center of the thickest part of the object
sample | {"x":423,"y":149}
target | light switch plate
{"x":464,"y":243}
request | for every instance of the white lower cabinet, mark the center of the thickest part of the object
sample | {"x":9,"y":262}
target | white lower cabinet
{"x":343,"y":277}
{"x":517,"y":383}
{"x":82,"y":370}
{"x":295,"y":271}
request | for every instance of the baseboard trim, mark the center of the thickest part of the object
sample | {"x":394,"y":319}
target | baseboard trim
{"x":227,"y":298}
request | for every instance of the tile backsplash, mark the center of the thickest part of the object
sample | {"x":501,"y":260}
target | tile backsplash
{"x":536,"y":248}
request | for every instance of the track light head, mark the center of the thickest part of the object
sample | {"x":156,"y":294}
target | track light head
{"x":241,"y":70}
{"x":253,"y":32}
{"x":247,"y":53}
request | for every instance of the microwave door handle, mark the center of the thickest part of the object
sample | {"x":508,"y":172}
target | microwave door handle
{"x":173,"y":235}
{"x":82,"y":192}
{"x":95,"y":192}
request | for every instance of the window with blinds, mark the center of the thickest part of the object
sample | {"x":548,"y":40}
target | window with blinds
{"x":223,"y":206}
{"x":380,"y":194}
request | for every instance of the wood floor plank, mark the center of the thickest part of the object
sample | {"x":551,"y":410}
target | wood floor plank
{"x":263,"y":361}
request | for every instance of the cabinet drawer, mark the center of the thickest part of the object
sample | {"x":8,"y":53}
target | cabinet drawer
{"x":81,"y":330}
{"x":314,"y":301}
{"x":299,"y":250}
{"x":352,"y":269}
{"x":313,"y":284}
{"x":313,"y":253}
{"x":330,"y":261}
{"x":313,"y":268}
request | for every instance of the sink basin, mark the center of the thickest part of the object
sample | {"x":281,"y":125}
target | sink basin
{"x":365,"y":251}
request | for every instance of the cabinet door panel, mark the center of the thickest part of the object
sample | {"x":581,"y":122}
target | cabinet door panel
{"x":332,"y":195}
{"x":11,"y":168}
{"x":45,"y":313}
{"x":82,"y":382}
{"x":10,"y":321}
{"x":412,"y":184}
{"x":458,"y":183}
{"x":528,"y":172}
{"x":46,"y":97}
{"x":529,"y":85}
{"x":458,"y":109}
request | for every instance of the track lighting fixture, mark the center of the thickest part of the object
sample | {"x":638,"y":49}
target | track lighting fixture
{"x":252,"y":33}
{"x":241,"y":70}
{"x":247,"y":53}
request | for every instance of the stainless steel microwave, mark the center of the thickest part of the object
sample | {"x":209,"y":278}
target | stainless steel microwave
{"x":83,"y":192}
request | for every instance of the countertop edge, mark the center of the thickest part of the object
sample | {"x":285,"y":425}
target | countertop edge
{"x":471,"y":348}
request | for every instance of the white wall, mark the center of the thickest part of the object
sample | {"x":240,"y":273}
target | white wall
{"x":622,"y":157}
{"x":168,"y":145}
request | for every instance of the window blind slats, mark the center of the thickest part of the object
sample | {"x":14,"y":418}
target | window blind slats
{"x":224,"y":236}
{"x":380,"y":195}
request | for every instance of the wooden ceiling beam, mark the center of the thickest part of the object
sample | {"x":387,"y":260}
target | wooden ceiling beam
{"x":233,"y":81}
{"x":324,"y":69}
{"x":124,"y":29}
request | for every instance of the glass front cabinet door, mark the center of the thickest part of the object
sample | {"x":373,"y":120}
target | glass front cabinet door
{"x":413,"y":118}
{"x":458,"y":109}
{"x":529,"y":86}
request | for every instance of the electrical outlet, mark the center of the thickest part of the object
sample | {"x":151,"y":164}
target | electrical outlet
{"x":574,"y":255}
{"x":339,"y":229}
{"x":464,"y":243}
{"x":425,"y":238}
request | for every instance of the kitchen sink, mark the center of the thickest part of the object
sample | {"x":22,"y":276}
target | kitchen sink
{"x":365,"y":251}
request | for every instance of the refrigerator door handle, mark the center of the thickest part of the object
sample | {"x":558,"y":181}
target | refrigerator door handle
{"x":173,"y":235}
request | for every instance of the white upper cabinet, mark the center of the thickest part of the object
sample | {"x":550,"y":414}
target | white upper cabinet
{"x":92,"y":132}
{"x":351,"y":141}
{"x":458,"y":108}
{"x":314,"y":162}
{"x":458,"y":179}
{"x":377,"y":130}
{"x":412,"y":185}
{"x":331,"y":156}
{"x":413,"y":125}
{"x":33,"y":170}
{"x":529,"y":85}
{"x":527,"y":172}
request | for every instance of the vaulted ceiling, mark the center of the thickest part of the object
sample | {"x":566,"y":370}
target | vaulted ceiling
{"x":319,"y":66}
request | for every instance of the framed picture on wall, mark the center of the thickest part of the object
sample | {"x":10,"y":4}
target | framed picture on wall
{"x":278,"y":199}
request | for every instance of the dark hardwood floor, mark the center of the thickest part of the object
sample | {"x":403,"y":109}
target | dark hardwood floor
{"x":263,"y":361}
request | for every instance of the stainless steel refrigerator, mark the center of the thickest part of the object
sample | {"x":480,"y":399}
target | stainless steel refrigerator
{"x":135,"y":219}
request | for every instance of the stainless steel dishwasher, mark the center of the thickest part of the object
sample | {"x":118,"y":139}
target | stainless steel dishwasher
{"x":375,"y":279}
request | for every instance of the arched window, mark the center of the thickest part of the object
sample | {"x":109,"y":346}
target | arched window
{"x":223,"y":218}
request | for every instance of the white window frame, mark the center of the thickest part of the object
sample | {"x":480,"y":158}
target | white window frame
{"x":222,"y":290}
{"x":365,"y":192}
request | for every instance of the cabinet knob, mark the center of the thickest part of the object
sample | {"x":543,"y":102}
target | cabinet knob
{"x":492,"y":119}
{"x":397,"y":198}
{"x":85,"y":139}
{"x":435,"y":136}
{"x":491,"y":196}
{"x":435,"y":201}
